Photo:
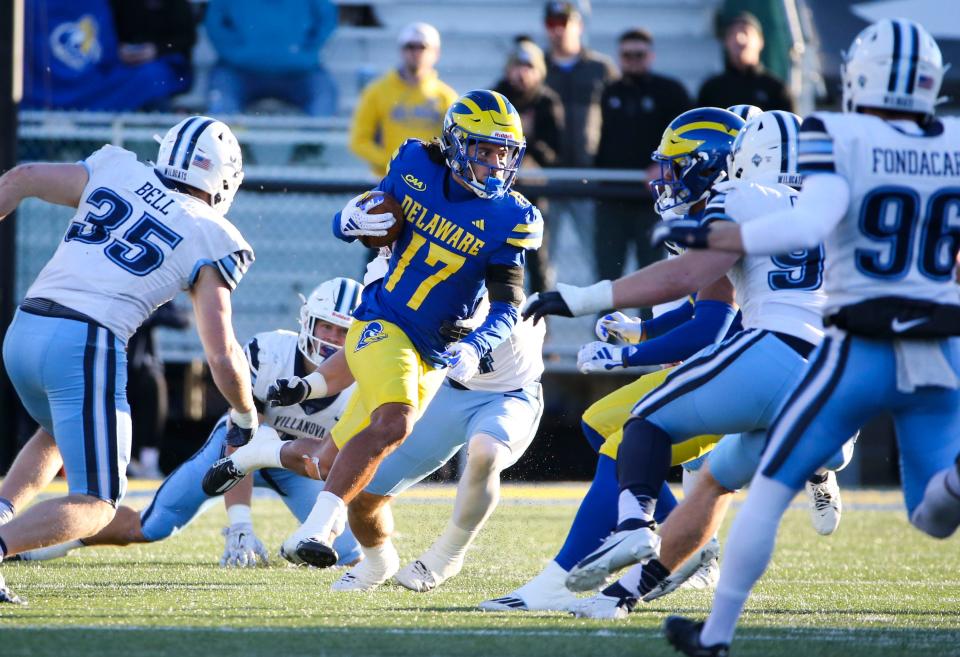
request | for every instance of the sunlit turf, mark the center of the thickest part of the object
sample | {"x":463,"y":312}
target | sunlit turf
{"x":875,"y":588}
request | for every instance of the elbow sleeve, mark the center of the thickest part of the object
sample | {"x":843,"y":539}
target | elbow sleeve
{"x":505,"y":283}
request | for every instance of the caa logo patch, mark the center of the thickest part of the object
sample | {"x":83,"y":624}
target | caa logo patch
{"x":414,"y":182}
{"x":372,"y":332}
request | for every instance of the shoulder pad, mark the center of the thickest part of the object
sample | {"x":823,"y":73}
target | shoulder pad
{"x":528,"y":234}
{"x":108,"y":155}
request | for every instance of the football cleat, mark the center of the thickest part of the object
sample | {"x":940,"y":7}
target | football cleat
{"x":606,"y":606}
{"x":309,"y":552}
{"x":704,"y":560}
{"x":365,"y":576}
{"x":684,"y":635}
{"x":825,"y":504}
{"x":545,"y":592}
{"x":418,"y":576}
{"x":221,"y":477}
{"x":8,"y":596}
{"x":619,"y":550}
{"x":706,"y":576}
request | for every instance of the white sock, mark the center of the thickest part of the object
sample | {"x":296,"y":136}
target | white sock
{"x":629,"y":508}
{"x":938,"y":513}
{"x":52,"y":551}
{"x":327,"y":519}
{"x":551,"y":577}
{"x":261,"y":452}
{"x":452,"y":544}
{"x":378,"y":558}
{"x":631,"y":580}
{"x":749,"y":548}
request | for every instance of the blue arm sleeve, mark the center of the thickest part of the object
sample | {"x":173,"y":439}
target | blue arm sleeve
{"x":669,"y":320}
{"x":336,"y":230}
{"x":496,"y":328}
{"x":710,"y":322}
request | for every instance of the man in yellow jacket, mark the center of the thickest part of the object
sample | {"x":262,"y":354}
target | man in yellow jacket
{"x":406,"y":102}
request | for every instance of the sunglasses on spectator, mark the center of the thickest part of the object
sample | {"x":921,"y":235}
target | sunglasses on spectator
{"x":414,"y":46}
{"x":634,"y":54}
{"x":559,"y":21}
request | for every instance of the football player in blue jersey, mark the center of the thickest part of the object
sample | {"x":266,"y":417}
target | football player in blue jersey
{"x":464,"y":232}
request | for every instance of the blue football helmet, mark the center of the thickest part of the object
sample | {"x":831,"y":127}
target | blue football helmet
{"x":479,"y":117}
{"x":693,"y":156}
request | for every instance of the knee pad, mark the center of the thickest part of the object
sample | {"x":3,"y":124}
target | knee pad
{"x":485,"y":452}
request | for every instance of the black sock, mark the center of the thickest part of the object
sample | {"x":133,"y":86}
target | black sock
{"x":643,"y":460}
{"x":653,"y":573}
{"x":818,"y":479}
{"x":3,"y":549}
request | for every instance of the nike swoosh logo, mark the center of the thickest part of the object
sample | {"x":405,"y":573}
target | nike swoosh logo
{"x":596,"y":555}
{"x":899,"y":327}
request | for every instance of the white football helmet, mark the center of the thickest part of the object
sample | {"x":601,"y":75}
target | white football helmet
{"x":766,"y":149}
{"x":204,"y":153}
{"x":895,"y":65}
{"x":332,"y":301}
{"x":745,"y":112}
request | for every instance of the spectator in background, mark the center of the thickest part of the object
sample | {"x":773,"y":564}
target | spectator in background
{"x":271,"y":49}
{"x":541,"y":113}
{"x":152,"y":29}
{"x":744,"y":80}
{"x":635,"y":111}
{"x":407,"y":102}
{"x":147,"y":390}
{"x":72,"y":60}
{"x":578,"y":75}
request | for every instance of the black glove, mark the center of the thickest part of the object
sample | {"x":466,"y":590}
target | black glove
{"x":238,"y":436}
{"x":455,"y":331}
{"x":686,"y":233}
{"x":287,"y":392}
{"x":542,"y":304}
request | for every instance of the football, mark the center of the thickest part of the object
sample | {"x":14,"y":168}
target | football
{"x":379,"y":203}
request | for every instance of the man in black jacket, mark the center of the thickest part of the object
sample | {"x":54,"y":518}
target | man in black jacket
{"x":744,"y":80}
{"x":635,"y":111}
{"x":541,"y":113}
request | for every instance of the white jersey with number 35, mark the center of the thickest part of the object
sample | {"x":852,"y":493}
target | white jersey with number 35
{"x":134,"y":243}
{"x":903,"y":222}
{"x":778,"y":293}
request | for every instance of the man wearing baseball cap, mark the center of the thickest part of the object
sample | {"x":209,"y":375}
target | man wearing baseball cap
{"x":407,"y":102}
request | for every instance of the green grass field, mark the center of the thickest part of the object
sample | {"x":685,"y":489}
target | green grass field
{"x":874,"y":588}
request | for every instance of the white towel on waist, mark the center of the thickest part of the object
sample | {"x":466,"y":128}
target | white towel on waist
{"x":922,"y":363}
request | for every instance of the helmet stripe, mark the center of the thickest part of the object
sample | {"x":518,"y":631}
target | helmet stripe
{"x":914,"y":55}
{"x":341,"y":296}
{"x":895,"y":62}
{"x":707,"y":125}
{"x":176,"y":144}
{"x":784,"y":142}
{"x":193,"y":144}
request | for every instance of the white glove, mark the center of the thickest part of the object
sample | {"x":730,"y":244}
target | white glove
{"x":620,"y":326}
{"x":599,"y":357}
{"x":243,"y":548}
{"x":355,"y":222}
{"x":463,"y":360}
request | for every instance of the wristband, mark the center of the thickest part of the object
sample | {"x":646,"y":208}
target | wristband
{"x":239,"y":514}
{"x":244,"y":420}
{"x":317,"y":384}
